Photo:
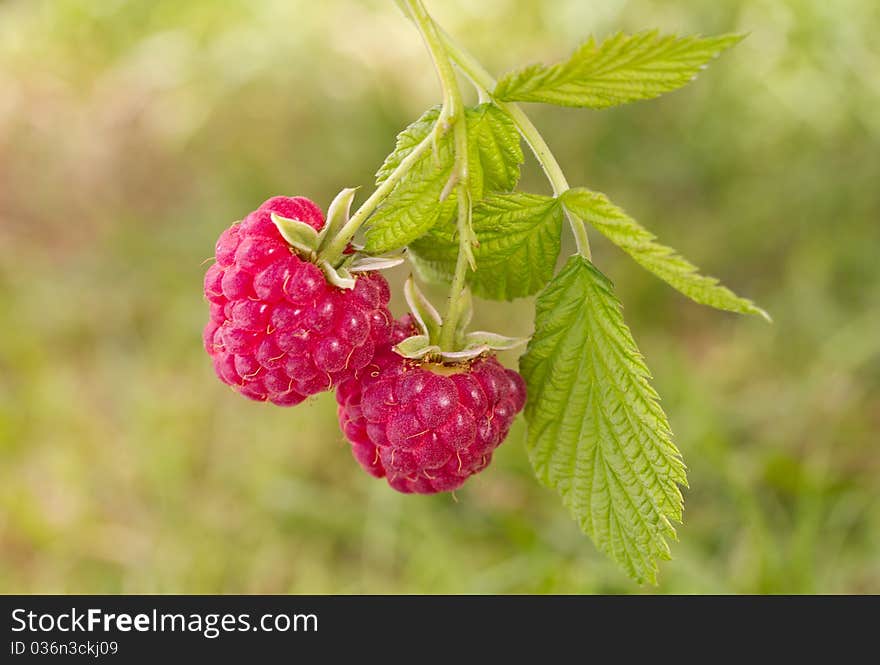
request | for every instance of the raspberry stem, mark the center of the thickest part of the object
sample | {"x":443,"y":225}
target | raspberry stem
{"x":337,"y":245}
{"x":444,"y":51}
{"x":484,"y":83}
{"x":452,"y":114}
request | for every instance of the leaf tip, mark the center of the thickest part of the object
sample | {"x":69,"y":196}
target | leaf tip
{"x":650,"y":577}
{"x":758,"y":311}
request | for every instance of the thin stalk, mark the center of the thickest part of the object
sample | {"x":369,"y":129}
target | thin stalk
{"x":454,"y":306}
{"x":485,"y":83}
{"x":453,"y":115}
{"x":334,"y":250}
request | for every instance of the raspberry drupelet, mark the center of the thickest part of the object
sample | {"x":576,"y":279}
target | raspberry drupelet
{"x":278,"y":331}
{"x":428,"y":428}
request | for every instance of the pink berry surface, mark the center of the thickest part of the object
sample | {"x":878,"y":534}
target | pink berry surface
{"x":278,"y":331}
{"x":428,"y":428}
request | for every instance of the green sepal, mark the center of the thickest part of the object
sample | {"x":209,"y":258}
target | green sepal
{"x":480,"y":342}
{"x":415,"y":347}
{"x":338,"y":276}
{"x":474,"y":344}
{"x":465,"y":316}
{"x":428,"y":321}
{"x":426,"y":316}
{"x":363,"y":263}
{"x":338,"y":214}
{"x":299,"y":235}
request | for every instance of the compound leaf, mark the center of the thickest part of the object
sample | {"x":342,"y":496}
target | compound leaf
{"x":621,"y":69}
{"x":663,"y":261}
{"x":596,"y":432}
{"x":519,"y":240}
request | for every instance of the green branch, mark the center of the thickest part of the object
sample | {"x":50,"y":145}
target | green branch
{"x":334,"y":250}
{"x":452,"y":114}
{"x":485,"y":83}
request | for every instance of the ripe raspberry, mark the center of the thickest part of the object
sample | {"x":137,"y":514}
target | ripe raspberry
{"x":426,"y":431}
{"x":278,"y":330}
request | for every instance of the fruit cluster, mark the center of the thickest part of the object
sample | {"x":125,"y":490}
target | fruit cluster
{"x":279,"y":331}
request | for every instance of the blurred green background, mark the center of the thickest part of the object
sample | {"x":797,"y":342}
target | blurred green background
{"x":132,"y":132}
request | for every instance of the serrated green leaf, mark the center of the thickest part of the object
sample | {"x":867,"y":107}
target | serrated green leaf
{"x":414,"y":206}
{"x":495,"y":151}
{"x":596,"y":432}
{"x":623,"y":68}
{"x":663,"y":261}
{"x":407,"y":140}
{"x":519,"y":236}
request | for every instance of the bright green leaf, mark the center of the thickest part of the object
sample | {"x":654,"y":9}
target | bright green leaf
{"x":640,"y":244}
{"x":495,"y":152}
{"x":621,"y":69}
{"x":597,"y":433}
{"x":407,"y":140}
{"x":495,"y":157}
{"x":414,"y":206}
{"x":519,"y":236}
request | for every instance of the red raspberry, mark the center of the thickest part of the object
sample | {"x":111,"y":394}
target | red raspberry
{"x":428,"y":432}
{"x":278,"y":330}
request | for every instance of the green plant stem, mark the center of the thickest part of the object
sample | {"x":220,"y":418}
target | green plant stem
{"x":485,"y":83}
{"x":456,"y":301}
{"x":452,"y":114}
{"x":338,"y":244}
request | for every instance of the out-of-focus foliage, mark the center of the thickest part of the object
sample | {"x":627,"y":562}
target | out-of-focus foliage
{"x":132,"y":132}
